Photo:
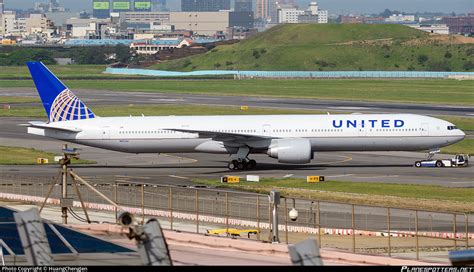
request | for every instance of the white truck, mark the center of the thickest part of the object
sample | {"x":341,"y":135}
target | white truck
{"x":459,"y":160}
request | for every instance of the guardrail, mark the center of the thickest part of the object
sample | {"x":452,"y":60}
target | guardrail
{"x":356,"y":228}
{"x":293,"y":74}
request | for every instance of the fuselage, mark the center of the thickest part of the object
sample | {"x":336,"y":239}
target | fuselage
{"x":339,"y":132}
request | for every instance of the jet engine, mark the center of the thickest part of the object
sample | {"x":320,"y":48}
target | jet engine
{"x":296,"y":151}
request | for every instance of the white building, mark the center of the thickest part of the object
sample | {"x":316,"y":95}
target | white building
{"x":400,"y":18}
{"x":323,"y":16}
{"x":436,"y":29}
{"x":36,"y":23}
{"x":289,"y":15}
{"x":154,"y":46}
{"x":312,"y":15}
{"x":9,"y":24}
{"x":83,"y":28}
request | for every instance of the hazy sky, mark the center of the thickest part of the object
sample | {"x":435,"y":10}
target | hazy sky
{"x":334,"y":6}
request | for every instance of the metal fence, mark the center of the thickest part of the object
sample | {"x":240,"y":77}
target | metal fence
{"x":356,"y":228}
{"x":291,"y":74}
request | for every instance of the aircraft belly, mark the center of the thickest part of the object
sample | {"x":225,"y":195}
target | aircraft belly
{"x":378,"y":143}
{"x":146,"y":145}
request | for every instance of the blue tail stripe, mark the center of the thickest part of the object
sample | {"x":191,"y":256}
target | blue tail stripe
{"x":56,"y":96}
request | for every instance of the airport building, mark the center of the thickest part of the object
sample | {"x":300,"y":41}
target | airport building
{"x":205,"y":5}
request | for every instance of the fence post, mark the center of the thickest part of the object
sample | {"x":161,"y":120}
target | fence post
{"x":353,"y":229}
{"x":227,"y":211}
{"x":389,"y":235}
{"x":467,"y":230}
{"x":454,"y":234}
{"x":143,"y":204}
{"x":197,"y":211}
{"x":286,"y":223}
{"x":319,"y":225}
{"x":258,"y":217}
{"x":416,"y":234}
{"x":270,"y":221}
{"x":170,"y":206}
{"x":115,"y":200}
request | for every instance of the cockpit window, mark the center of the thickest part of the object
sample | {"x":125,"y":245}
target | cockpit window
{"x":452,"y":127}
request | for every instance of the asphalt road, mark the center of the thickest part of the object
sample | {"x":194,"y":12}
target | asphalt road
{"x":102,"y":97}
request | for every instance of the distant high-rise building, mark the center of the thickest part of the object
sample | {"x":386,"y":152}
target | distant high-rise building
{"x":121,"y":5}
{"x":142,"y":5}
{"x":158,"y":5}
{"x":262,"y":9}
{"x":205,"y":5}
{"x":243,"y":5}
{"x":1,"y":6}
{"x":101,"y":9}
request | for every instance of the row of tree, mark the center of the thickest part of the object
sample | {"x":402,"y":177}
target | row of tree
{"x":17,"y":56}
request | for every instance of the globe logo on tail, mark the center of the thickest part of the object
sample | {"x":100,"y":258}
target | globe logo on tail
{"x":68,"y":107}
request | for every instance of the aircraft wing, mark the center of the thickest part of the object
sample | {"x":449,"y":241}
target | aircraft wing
{"x":223,"y":136}
{"x":52,"y":126}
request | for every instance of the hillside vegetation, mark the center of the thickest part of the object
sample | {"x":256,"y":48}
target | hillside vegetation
{"x":327,"y":47}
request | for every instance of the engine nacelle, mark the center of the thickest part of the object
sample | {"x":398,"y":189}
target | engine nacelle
{"x":291,"y":150}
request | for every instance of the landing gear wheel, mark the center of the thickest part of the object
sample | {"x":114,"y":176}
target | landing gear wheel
{"x":233,"y":165}
{"x":418,"y":164}
{"x":439,"y":164}
{"x":241,"y":165}
{"x":251,"y":164}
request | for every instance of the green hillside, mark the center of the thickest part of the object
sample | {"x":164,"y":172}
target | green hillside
{"x":328,"y":47}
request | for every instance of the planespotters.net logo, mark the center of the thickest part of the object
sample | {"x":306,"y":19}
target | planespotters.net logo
{"x":436,"y":269}
{"x":67,"y":106}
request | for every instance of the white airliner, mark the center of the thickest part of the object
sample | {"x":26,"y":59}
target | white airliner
{"x":288,"y":138}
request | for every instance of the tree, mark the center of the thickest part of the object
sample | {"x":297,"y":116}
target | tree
{"x":422,"y":58}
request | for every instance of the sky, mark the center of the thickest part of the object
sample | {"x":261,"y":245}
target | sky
{"x":334,"y":6}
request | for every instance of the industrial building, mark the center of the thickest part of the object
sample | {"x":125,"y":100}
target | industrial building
{"x":209,"y":23}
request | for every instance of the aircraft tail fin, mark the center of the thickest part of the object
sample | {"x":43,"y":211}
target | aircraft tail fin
{"x":59,"y":102}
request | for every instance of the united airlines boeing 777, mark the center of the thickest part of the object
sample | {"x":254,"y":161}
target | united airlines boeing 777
{"x":288,"y":138}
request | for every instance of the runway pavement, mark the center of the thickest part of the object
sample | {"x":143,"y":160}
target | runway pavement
{"x":103,"y":97}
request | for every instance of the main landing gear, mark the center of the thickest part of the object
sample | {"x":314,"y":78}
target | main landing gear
{"x":242,"y":164}
{"x":240,"y":160}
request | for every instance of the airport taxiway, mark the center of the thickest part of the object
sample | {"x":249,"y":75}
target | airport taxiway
{"x":106,"y":97}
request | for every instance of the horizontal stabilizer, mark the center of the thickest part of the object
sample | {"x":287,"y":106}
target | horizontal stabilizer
{"x":52,"y":126}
